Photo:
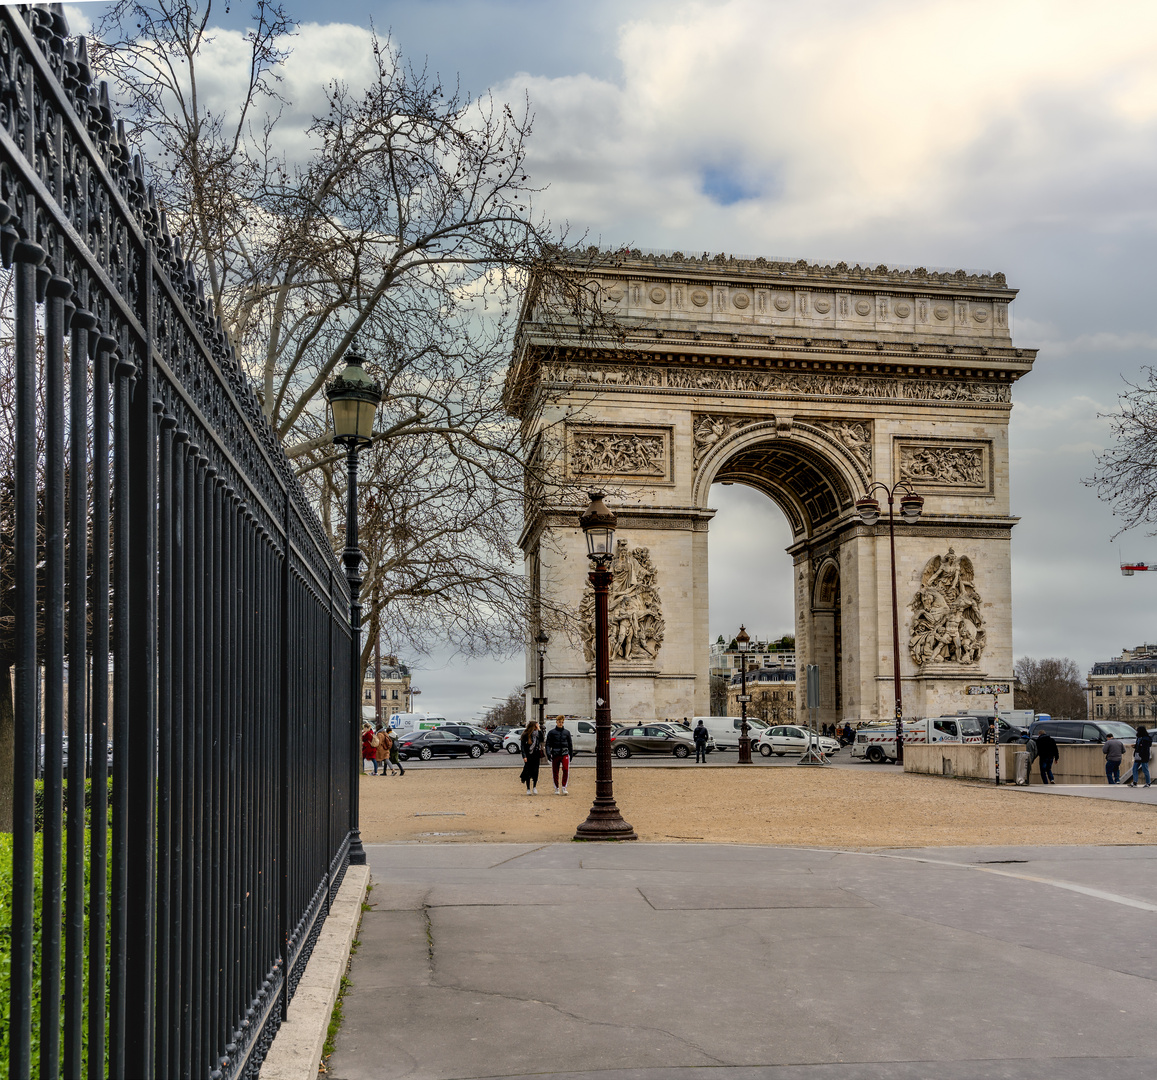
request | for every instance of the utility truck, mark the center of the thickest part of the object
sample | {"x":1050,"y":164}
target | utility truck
{"x":877,"y":742}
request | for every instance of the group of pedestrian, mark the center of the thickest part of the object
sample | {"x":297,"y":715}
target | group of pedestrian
{"x":1114,"y":751}
{"x":557,"y":746}
{"x":380,"y":747}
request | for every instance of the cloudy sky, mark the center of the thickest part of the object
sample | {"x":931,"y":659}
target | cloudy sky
{"x":1021,"y":138}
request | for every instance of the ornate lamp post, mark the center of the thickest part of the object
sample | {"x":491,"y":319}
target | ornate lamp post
{"x":604,"y":821}
{"x":743,"y":640}
{"x":869,"y":510}
{"x":541,"y":643}
{"x":353,"y":401}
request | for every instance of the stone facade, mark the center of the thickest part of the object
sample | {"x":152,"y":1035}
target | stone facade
{"x":1125,"y":688}
{"x":807,"y":383}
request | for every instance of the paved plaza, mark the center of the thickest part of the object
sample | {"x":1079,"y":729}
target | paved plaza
{"x":643,"y":961}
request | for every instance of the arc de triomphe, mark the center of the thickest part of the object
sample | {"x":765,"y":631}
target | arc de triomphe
{"x":806,"y":383}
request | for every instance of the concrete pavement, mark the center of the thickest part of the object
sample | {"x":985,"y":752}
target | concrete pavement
{"x":642,"y":961}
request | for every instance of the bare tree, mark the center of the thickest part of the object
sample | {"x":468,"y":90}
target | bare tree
{"x":408,"y":228}
{"x":508,"y":713}
{"x":1126,"y":473}
{"x":1053,"y":685}
{"x":718,"y":695}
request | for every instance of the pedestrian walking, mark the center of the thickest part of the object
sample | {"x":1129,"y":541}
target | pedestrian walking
{"x":560,"y":749}
{"x":849,"y":735}
{"x":1047,"y":753}
{"x":369,"y":750}
{"x":1142,"y":750}
{"x":394,"y":759}
{"x":531,"y":745}
{"x":700,"y":736}
{"x":1113,"y":750}
{"x":381,"y":750}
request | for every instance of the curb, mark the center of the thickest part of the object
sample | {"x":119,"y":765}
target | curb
{"x":296,"y":1050}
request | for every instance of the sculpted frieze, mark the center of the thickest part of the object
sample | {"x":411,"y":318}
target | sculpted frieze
{"x":947,"y":626}
{"x":618,"y":453}
{"x":952,"y":466}
{"x":636,"y":625}
{"x":819,"y":384}
{"x":711,"y":428}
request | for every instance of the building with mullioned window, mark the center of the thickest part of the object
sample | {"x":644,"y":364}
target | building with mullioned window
{"x":1125,"y":688}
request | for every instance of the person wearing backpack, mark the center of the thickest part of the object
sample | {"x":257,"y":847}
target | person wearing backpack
{"x":1142,"y":750}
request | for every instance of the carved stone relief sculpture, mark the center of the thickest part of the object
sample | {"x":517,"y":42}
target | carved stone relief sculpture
{"x":957,"y":466}
{"x":711,"y":428}
{"x":776,"y":382}
{"x":947,"y":626}
{"x":856,"y":435}
{"x":618,"y":453}
{"x":635,"y":610}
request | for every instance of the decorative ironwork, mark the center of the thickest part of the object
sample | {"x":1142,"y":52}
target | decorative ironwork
{"x":188,"y":597}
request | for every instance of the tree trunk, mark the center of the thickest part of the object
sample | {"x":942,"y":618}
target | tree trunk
{"x":7,"y":747}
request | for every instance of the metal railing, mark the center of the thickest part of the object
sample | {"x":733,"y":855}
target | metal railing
{"x":164,"y":549}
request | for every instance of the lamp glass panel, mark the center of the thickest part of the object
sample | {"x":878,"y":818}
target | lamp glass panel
{"x":600,"y":540}
{"x":365,"y":420}
{"x":345,"y":418}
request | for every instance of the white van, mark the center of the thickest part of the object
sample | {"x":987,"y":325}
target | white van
{"x":581,"y":728}
{"x":725,"y":730}
{"x":406,"y":722}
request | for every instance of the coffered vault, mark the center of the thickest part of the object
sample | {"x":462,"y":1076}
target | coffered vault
{"x":806,"y":383}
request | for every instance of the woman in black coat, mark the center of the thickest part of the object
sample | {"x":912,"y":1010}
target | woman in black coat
{"x":531,"y":756}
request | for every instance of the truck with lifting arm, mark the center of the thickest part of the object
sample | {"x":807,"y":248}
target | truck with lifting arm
{"x":877,"y":742}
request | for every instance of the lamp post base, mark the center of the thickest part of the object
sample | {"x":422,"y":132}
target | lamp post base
{"x":744,"y":750}
{"x":605,"y":823}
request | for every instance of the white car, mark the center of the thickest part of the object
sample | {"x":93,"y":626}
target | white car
{"x":789,"y":739}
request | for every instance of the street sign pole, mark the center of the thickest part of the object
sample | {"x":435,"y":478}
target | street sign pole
{"x":995,"y":689}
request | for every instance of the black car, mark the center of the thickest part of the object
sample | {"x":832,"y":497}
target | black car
{"x":493,"y":743}
{"x":425,"y":744}
{"x":1085,"y":731}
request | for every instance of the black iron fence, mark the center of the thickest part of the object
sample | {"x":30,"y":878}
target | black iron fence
{"x":166,"y":559}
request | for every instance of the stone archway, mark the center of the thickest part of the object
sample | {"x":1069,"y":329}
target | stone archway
{"x":807,"y":383}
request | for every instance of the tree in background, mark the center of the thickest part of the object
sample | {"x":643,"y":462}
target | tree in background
{"x":407,"y":225}
{"x":508,"y":713}
{"x":1126,"y":473}
{"x":1053,"y":686}
{"x":718,"y":695}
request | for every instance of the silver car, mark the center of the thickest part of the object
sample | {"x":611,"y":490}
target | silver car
{"x":790,"y":739}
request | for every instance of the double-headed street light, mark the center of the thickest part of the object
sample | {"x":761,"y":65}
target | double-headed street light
{"x":353,"y":401}
{"x":743,"y":640}
{"x":869,"y":510}
{"x":540,"y":643}
{"x":604,"y":821}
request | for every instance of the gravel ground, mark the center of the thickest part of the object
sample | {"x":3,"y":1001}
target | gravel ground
{"x":802,"y":807}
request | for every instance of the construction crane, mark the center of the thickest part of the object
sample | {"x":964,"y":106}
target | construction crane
{"x":1128,"y":569}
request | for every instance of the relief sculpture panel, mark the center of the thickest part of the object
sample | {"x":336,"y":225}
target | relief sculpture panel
{"x":855,"y":435}
{"x":615,"y":452}
{"x":932,"y":465}
{"x":636,"y":625}
{"x":947,"y":626}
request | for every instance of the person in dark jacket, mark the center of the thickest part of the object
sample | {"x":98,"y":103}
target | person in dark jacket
{"x":560,"y":749}
{"x":1047,"y":753}
{"x":700,"y":737}
{"x":531,"y":743}
{"x":1142,"y":751}
{"x":1113,"y":750}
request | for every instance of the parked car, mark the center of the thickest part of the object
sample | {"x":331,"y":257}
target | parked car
{"x":512,"y":740}
{"x":492,"y":742}
{"x":1085,"y":731}
{"x":789,"y":739}
{"x":650,"y":739}
{"x":427,"y":744}
{"x":682,"y":732}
